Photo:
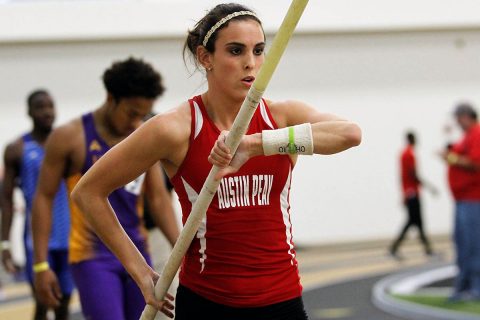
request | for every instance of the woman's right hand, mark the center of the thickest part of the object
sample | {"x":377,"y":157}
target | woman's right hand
{"x":221,"y":156}
{"x":147,"y":286}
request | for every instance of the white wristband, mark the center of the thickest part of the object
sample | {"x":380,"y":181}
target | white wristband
{"x":5,"y":245}
{"x":290,"y":140}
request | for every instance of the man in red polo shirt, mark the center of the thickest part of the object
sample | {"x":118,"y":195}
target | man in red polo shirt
{"x":463,"y":160}
{"x":411,"y":195}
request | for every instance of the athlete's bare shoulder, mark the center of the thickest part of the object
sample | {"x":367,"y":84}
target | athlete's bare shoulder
{"x":292,"y":112}
{"x":279,"y":111}
{"x":284,"y":105}
{"x":67,"y":135}
{"x":172,"y":131}
{"x":174,"y":125}
{"x":13,"y":151}
{"x":66,"y":145}
{"x":15,"y":146}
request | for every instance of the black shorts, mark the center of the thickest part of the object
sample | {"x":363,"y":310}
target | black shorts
{"x":190,"y":306}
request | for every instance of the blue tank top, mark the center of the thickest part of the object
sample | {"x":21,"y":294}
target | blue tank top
{"x":32,"y":158}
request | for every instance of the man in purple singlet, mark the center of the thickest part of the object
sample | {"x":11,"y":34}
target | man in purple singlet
{"x":106,"y":290}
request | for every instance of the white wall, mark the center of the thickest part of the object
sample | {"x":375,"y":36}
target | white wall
{"x":388,"y":72}
{"x":27,"y":20}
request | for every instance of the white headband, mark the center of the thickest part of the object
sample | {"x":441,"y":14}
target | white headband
{"x":223,"y":20}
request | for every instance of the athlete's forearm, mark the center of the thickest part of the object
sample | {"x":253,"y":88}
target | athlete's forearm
{"x":41,"y":225}
{"x":104,"y":222}
{"x":335,"y":136}
{"x":6,"y":202}
{"x":11,"y":164}
{"x":7,"y":217}
{"x":163,"y":215}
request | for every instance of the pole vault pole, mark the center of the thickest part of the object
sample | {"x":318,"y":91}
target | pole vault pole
{"x":239,"y":128}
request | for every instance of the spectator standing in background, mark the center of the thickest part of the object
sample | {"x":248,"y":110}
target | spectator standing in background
{"x":463,"y":160}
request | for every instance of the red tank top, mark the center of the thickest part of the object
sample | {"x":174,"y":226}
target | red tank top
{"x":243,"y":253}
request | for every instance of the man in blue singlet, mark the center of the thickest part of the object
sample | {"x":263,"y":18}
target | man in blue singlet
{"x":23,"y":158}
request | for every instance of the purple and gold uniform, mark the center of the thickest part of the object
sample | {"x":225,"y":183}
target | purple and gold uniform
{"x":106,"y":289}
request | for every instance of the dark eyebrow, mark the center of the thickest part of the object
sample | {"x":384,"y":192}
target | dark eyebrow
{"x":242,"y":45}
{"x":235,"y":44}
